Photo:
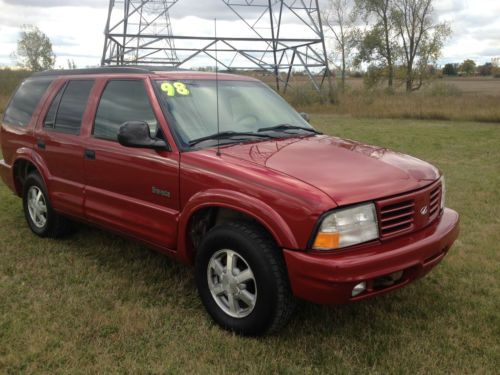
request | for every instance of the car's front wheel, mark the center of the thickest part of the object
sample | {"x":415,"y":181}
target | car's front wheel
{"x":242,"y":279}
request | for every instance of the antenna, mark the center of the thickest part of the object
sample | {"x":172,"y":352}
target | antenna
{"x":217,"y":89}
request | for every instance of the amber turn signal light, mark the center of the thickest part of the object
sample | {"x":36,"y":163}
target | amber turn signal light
{"x":327,"y":240}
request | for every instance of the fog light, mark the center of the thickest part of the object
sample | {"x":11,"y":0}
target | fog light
{"x":358,"y":289}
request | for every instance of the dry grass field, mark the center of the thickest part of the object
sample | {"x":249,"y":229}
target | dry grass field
{"x":480,"y":108}
{"x":466,"y":85}
{"x":461,"y":99}
{"x":475,"y":85}
{"x":456,"y":99}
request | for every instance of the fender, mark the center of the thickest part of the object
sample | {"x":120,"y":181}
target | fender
{"x":34,"y":158}
{"x":237,"y":201}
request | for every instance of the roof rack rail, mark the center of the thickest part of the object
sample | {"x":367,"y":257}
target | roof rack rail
{"x":127,"y":69}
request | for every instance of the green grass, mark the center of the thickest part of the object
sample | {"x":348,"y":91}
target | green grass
{"x":96,"y":303}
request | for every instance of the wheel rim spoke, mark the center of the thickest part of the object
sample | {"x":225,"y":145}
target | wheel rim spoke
{"x":218,"y":289}
{"x":42,"y":208}
{"x":217,"y":266}
{"x":244,"y":276}
{"x":31,"y":210}
{"x":247,"y":298}
{"x":233,"y":304}
{"x":230,"y":263}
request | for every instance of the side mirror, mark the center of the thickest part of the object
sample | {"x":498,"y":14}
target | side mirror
{"x":136,"y":134}
{"x":305,"y":116}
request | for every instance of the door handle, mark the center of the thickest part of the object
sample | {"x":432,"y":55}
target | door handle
{"x":90,"y":154}
{"x":40,"y":144}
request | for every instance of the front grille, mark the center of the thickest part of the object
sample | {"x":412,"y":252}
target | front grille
{"x":397,"y":217}
{"x":409,"y":212}
{"x":435,"y":201}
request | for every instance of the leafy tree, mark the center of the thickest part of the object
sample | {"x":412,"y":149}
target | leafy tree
{"x":379,"y":43}
{"x":71,"y":64}
{"x":420,"y":38}
{"x":468,"y":67}
{"x":374,"y":75}
{"x":340,"y":18}
{"x":34,"y":50}
{"x":486,"y":69}
{"x":450,"y":69}
{"x":402,"y":33}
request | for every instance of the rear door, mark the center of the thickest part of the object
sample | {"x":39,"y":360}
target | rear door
{"x":58,"y":141}
{"x":135,"y":191}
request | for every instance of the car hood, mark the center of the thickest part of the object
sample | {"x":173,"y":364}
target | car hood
{"x":347,"y":171}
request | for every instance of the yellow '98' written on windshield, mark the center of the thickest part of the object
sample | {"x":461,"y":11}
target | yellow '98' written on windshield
{"x":175,"y":88}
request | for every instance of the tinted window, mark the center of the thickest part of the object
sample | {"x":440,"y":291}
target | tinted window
{"x":123,"y":101}
{"x":72,"y":106}
{"x":25,"y":101}
{"x":50,"y":118}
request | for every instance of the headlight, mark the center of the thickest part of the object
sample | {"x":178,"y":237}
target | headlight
{"x":346,"y":227}
{"x":443,"y":192}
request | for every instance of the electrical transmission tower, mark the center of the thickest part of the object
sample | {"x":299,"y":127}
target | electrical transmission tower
{"x":139,"y":32}
{"x":280,"y":38}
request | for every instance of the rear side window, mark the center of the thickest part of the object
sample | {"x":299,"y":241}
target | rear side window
{"x":66,"y":111}
{"x":25,"y":101}
{"x":50,"y":118}
{"x":123,"y":101}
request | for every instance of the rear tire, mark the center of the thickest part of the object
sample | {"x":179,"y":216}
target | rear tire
{"x":242,"y":280}
{"x":41,"y":218}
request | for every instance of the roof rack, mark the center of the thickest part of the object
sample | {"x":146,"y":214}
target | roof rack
{"x":128,"y":69}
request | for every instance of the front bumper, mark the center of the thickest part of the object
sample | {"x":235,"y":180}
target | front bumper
{"x":328,"y":278}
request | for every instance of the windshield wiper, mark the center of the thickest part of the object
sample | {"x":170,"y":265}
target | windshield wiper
{"x":226,"y":135}
{"x":289,"y":127}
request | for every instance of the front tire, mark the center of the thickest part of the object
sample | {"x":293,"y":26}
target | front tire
{"x":41,"y":218}
{"x":242,"y":279}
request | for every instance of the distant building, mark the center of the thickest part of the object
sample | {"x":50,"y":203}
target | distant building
{"x":496,"y":61}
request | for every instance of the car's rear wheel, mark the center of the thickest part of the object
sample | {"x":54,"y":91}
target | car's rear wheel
{"x":242,"y":279}
{"x":41,"y":218}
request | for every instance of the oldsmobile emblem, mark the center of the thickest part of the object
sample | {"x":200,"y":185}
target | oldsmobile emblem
{"x":424,"y":210}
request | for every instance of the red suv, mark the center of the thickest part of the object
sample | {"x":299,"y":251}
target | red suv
{"x":220,"y":172}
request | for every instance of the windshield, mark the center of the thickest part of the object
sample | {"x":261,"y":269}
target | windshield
{"x":244,"y":108}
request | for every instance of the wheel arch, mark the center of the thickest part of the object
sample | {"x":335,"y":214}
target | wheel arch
{"x":236,"y":205}
{"x":26,"y":161}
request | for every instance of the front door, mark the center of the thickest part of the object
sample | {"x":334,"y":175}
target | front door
{"x":134,"y":191}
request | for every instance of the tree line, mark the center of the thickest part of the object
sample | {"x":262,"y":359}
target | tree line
{"x":470,"y":68}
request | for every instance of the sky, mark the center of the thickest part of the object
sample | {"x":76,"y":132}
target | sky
{"x":76,"y":27}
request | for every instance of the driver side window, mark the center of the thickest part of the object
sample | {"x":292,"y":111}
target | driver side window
{"x":122,"y":101}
